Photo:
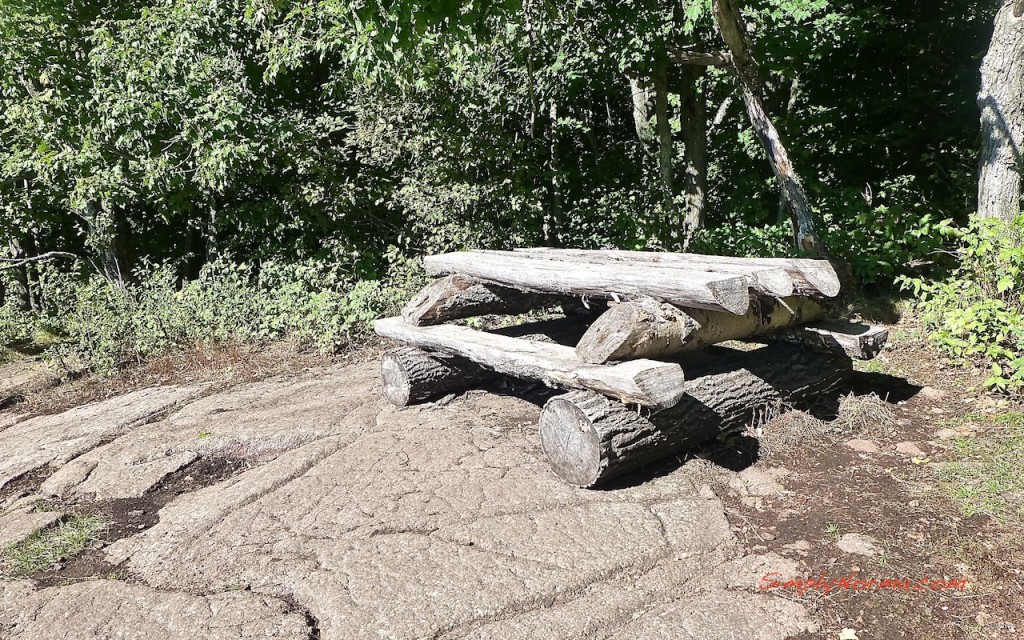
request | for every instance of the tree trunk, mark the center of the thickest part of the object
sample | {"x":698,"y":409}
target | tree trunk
{"x":553,"y":220}
{"x":1001,"y":101}
{"x":693,"y":124}
{"x":641,"y":97}
{"x":730,"y":24}
{"x":20,"y":284}
{"x":589,"y":439}
{"x":666,"y":150}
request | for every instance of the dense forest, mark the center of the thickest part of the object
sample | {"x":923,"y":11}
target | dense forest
{"x":182,"y":170}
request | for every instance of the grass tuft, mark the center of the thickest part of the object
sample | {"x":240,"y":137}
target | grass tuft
{"x":47,"y":547}
{"x":984,"y":476}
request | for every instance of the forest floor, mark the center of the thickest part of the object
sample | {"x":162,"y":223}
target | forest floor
{"x":238,"y":493}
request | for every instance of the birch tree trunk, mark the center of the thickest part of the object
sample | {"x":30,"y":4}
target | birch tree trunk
{"x":1001,"y":101}
{"x":730,"y":24}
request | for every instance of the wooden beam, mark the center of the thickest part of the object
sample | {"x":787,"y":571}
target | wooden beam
{"x":858,"y":341}
{"x":651,"y":384}
{"x":807,"y":277}
{"x":649,"y":329}
{"x":700,"y":289}
{"x":458,"y":296}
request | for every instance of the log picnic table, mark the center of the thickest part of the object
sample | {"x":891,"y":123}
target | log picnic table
{"x":634,"y":396}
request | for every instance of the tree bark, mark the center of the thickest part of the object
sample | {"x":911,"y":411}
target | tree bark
{"x":730,"y":25}
{"x":20,"y":284}
{"x":649,"y":329}
{"x":1001,"y":101}
{"x":641,"y":98}
{"x":666,"y":150}
{"x":589,"y":439}
{"x":456,"y":296}
{"x":411,"y":376}
{"x":693,"y":124}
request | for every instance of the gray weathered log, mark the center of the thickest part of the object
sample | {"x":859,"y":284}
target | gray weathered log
{"x":858,"y":341}
{"x":701,"y":289}
{"x":412,"y":376}
{"x":458,"y":296}
{"x":589,"y":439}
{"x":815,"y":278}
{"x":1001,"y":101}
{"x":646,"y":328}
{"x":644,"y":382}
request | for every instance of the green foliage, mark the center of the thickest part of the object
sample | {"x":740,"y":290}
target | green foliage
{"x":47,"y":547}
{"x":882,"y":235}
{"x":106,"y":326}
{"x":977,"y":313}
{"x":984,"y":474}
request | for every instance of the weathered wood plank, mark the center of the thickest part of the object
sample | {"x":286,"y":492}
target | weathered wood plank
{"x":458,"y":296}
{"x":644,"y":382}
{"x":646,"y":328}
{"x":858,"y":341}
{"x":719,"y":292}
{"x":772,"y":281}
{"x":589,"y":439}
{"x":809,"y":277}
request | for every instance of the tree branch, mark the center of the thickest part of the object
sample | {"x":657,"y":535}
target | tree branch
{"x":14,"y":263}
{"x":699,"y":58}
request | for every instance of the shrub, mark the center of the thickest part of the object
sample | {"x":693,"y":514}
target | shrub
{"x":977,"y":313}
{"x":311,"y":303}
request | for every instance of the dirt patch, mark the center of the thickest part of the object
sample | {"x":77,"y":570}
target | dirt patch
{"x":888,"y":497}
{"x":127,"y":517}
{"x":26,"y":484}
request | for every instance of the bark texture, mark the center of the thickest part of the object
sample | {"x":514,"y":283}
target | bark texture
{"x":1001,"y":101}
{"x":693,"y":125}
{"x":411,"y":376}
{"x":730,"y":24}
{"x":589,"y":439}
{"x":648,"y":329}
{"x":456,"y":296}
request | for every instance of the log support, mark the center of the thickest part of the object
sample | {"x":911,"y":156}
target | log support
{"x":590,"y":439}
{"x":411,"y":376}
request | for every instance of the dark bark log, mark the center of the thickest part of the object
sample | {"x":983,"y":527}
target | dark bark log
{"x":730,"y":25}
{"x":1001,"y":101}
{"x":456,"y":296}
{"x":693,"y":125}
{"x":666,"y":150}
{"x":649,"y":329}
{"x":411,"y":376}
{"x":643,"y":382}
{"x":589,"y":439}
{"x":534,"y":272}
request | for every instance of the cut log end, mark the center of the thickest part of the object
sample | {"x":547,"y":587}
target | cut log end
{"x":823,"y":277}
{"x":732,"y":294}
{"x":570,"y":442}
{"x":643,"y":328}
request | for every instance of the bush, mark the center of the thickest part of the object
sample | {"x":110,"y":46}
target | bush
{"x":317,"y":306}
{"x":977,"y":313}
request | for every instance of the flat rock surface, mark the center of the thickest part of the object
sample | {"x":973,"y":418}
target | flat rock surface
{"x":355,"y":519}
{"x":22,"y":523}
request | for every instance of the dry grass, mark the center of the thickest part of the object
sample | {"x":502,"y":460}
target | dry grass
{"x":222,"y":364}
{"x":863,"y":415}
